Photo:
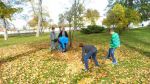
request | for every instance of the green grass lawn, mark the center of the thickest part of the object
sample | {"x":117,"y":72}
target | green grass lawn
{"x":21,"y":39}
{"x":136,"y":39}
{"x":27,"y":59}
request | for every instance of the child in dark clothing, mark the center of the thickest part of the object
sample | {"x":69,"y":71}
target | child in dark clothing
{"x":87,"y":52}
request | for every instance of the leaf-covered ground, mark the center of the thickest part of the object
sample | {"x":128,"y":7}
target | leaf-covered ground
{"x":31,"y":61}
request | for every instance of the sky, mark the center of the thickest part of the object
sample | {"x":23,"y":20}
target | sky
{"x":55,"y":7}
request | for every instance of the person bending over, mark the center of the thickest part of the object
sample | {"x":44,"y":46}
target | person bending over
{"x":88,"y":51}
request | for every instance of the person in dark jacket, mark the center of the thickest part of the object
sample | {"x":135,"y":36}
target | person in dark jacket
{"x":87,"y":52}
{"x":63,"y":33}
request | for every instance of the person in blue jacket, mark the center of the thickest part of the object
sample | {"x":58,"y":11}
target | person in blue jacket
{"x":114,"y":43}
{"x":63,"y":35}
{"x":64,"y":42}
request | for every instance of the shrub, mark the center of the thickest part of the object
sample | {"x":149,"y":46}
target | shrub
{"x":92,"y":29}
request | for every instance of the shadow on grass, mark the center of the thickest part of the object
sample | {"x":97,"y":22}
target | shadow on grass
{"x":146,"y":53}
{"x":136,"y":40}
{"x":139,"y":41}
{"x":19,"y":35}
{"x":37,"y":47}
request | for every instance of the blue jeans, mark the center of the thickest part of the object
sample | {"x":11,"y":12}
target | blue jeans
{"x":88,"y":55}
{"x":59,"y":46}
{"x":111,"y":54}
{"x":53,"y":45}
{"x":63,"y":47}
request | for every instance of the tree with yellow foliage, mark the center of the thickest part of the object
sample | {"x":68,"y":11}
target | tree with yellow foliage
{"x":6,"y":12}
{"x":121,"y":17}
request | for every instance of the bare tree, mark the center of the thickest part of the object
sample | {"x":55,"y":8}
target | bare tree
{"x":74,"y":17}
{"x":68,"y":16}
{"x":5,"y":29}
{"x":39,"y":18}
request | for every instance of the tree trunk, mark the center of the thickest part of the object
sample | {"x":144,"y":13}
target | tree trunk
{"x":39,"y":18}
{"x":32,"y":4}
{"x":75,"y":15}
{"x":70,"y":35}
{"x":5,"y":30}
{"x":131,"y":3}
{"x":127,"y":27}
